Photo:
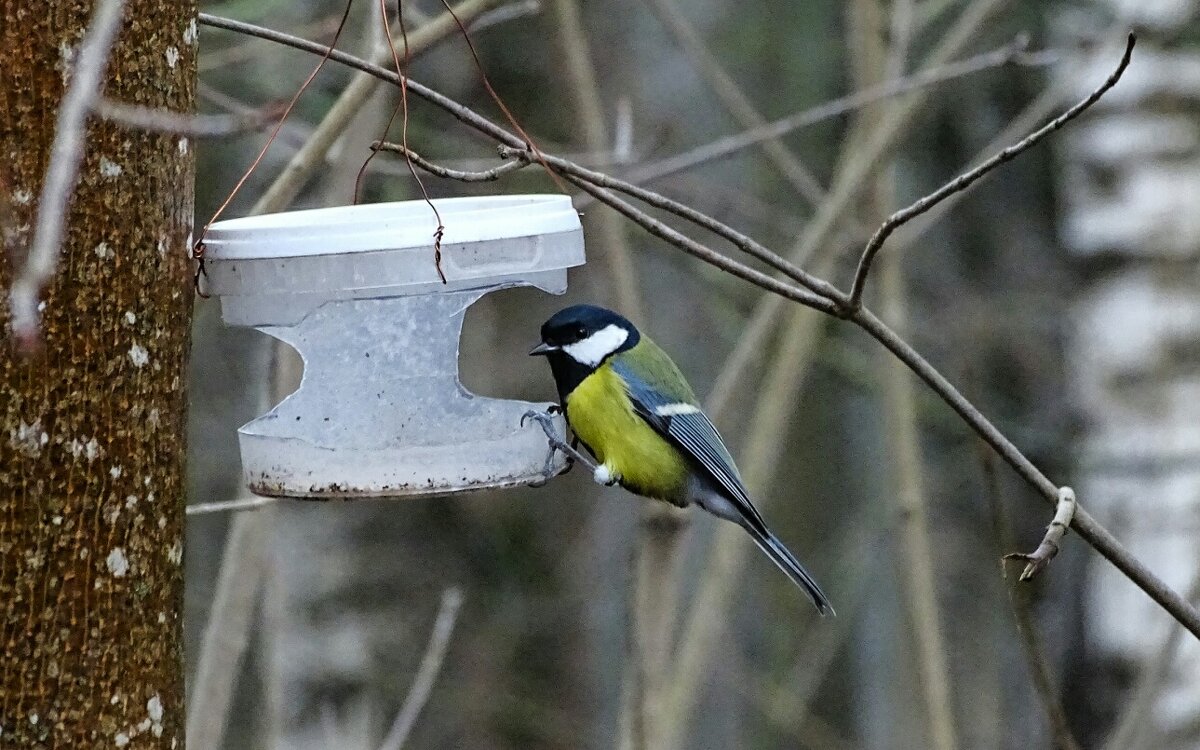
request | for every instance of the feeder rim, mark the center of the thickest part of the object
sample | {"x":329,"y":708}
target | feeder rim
{"x":393,"y":225}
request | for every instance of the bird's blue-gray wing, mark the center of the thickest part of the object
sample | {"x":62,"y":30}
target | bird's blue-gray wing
{"x":681,"y":421}
{"x":693,"y":432}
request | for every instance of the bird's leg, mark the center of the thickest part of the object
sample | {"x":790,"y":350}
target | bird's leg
{"x":556,"y":442}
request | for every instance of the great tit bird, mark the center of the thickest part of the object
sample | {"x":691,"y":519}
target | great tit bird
{"x":629,"y":405}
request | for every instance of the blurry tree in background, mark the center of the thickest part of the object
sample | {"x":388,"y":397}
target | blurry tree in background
{"x":315,"y":625}
{"x":1131,"y":184}
{"x":92,"y":420}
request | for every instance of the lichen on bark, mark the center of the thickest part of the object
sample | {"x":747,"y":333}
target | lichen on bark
{"x":92,"y":424}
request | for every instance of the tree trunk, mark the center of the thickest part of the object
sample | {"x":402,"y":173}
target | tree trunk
{"x":92,"y":424}
{"x":1132,"y":182}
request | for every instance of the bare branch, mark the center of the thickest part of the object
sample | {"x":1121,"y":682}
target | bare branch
{"x":587,"y":102}
{"x":63,"y":171}
{"x":487,"y":175}
{"x":1088,"y":527}
{"x":1039,"y":667}
{"x":1045,"y":552}
{"x":918,"y":571}
{"x":708,"y":255}
{"x":227,"y":506}
{"x":1135,"y":719}
{"x":504,"y":14}
{"x":821,"y":288}
{"x":160,"y":120}
{"x":431,"y":665}
{"x":731,"y":144}
{"x":739,"y":240}
{"x":735,"y":102}
{"x":215,"y":58}
{"x":227,"y":631}
{"x":963,"y":181}
{"x":312,"y":154}
{"x":814,"y":246}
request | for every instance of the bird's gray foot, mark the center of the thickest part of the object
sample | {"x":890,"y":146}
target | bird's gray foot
{"x":545,"y":420}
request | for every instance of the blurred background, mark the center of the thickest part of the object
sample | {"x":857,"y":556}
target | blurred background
{"x":1060,"y":295}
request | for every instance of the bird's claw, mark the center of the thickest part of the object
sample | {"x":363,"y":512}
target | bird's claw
{"x":545,"y":420}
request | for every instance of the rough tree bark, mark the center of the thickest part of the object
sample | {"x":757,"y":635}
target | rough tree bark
{"x":91,"y":425}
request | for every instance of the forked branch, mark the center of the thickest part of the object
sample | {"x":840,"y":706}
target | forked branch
{"x":966,"y":179}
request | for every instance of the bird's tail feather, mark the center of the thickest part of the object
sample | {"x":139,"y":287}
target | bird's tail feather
{"x":788,"y":563}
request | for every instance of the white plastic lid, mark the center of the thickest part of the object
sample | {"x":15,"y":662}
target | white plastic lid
{"x":397,"y":225}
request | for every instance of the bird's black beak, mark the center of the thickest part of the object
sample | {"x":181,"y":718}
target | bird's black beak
{"x":542,"y":349}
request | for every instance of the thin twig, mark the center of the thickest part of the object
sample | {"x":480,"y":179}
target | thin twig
{"x":292,"y":135}
{"x":431,"y":665}
{"x":822,"y":291}
{"x":504,"y":14}
{"x":742,"y":241}
{"x":584,"y":92}
{"x":304,"y":163}
{"x":708,"y":255}
{"x":861,"y":162}
{"x":1089,"y":529}
{"x":219,"y":57}
{"x":1045,"y":552}
{"x":734,"y":101}
{"x":1040,"y":671}
{"x":731,"y":144}
{"x":487,"y":175}
{"x":788,"y":700}
{"x":853,"y":172}
{"x":1134,"y":721}
{"x":967,"y":178}
{"x":918,"y":570}
{"x":160,"y":120}
{"x":227,"y":506}
{"x":66,"y":154}
{"x":918,"y":566}
{"x":227,"y":631}
{"x":1036,"y":111}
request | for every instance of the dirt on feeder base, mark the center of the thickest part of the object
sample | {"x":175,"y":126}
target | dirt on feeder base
{"x":269,"y":486}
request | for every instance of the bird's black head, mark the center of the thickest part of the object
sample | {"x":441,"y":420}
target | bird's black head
{"x":579,"y":338}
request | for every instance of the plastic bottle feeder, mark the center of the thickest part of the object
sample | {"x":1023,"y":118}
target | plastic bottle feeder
{"x":380,"y":410}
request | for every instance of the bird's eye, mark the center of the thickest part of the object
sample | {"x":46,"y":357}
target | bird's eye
{"x":580,"y":332}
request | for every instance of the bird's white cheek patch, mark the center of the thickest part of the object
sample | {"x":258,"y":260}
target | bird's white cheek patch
{"x":592,"y":350}
{"x":675,"y":410}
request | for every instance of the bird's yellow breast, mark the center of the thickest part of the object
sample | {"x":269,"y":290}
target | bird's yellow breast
{"x":602,"y":416}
